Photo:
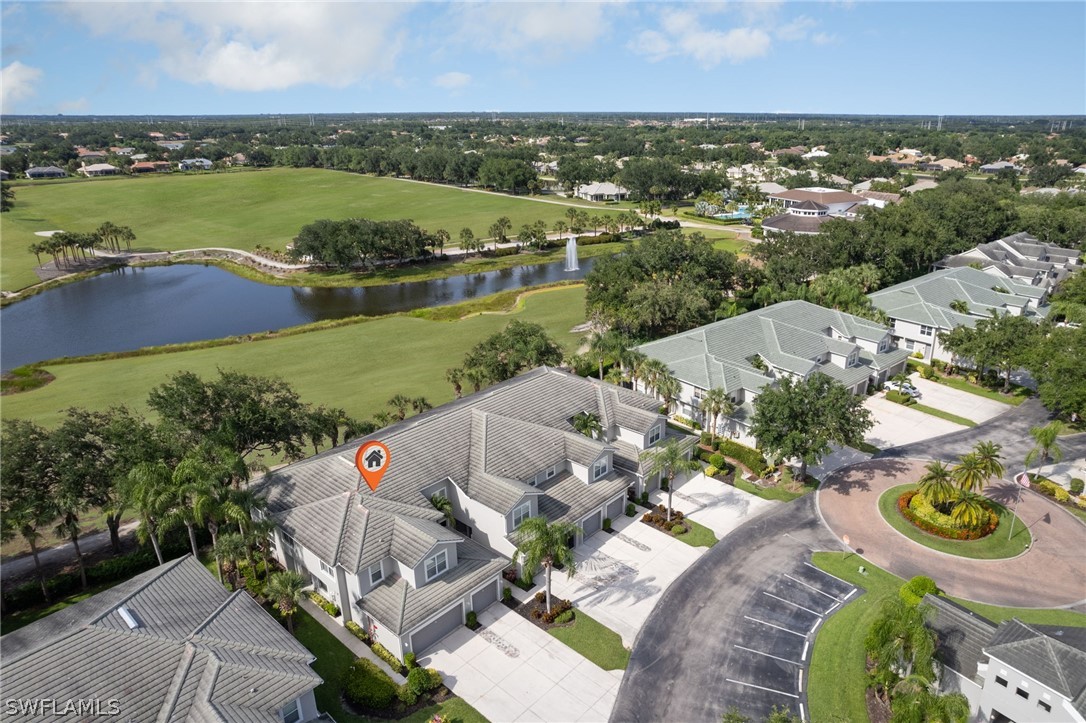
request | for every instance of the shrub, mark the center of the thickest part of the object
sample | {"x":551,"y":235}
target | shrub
{"x":1050,"y":488}
{"x":406,"y":695}
{"x":471,"y":620}
{"x":607,"y":524}
{"x":436,"y":680}
{"x":931,"y":519}
{"x":510,"y":574}
{"x":557,"y":608}
{"x":507,"y":593}
{"x":899,"y":397}
{"x":786,"y":476}
{"x":324,"y":604}
{"x":1077,"y":486}
{"x":914,"y":590}
{"x":409,"y":661}
{"x":711,"y":471}
{"x":630,"y":509}
{"x":749,"y":456}
{"x":386,"y":655}
{"x":706,"y":456}
{"x":645,"y":498}
{"x":505,"y":251}
{"x":677,"y":529}
{"x":418,"y":680}
{"x":706,"y":438}
{"x":356,"y":630}
{"x":565,"y":617}
{"x":717,"y":460}
{"x":368,"y":686}
{"x":927,"y":372}
{"x":537,"y":614}
{"x":541,"y":597}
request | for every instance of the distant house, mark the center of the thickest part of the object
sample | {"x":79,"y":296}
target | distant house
{"x":155,"y":135}
{"x":170,"y":145}
{"x":924,"y":184}
{"x":999,"y":166}
{"x":746,"y":353}
{"x":602,"y":191}
{"x":793,"y":151}
{"x":89,"y":155}
{"x":1011,"y":671}
{"x":7,"y":150}
{"x":833,"y":199}
{"x":769,"y":187}
{"x":46,"y":172}
{"x":169,"y":644}
{"x":4,"y":175}
{"x":122,"y":151}
{"x":195,"y":164}
{"x":1021,"y":257}
{"x":816,"y":153}
{"x":806,"y":209}
{"x":879,"y":199}
{"x":943,"y":164}
{"x":238,"y":159}
{"x":99,"y":169}
{"x":150,"y":167}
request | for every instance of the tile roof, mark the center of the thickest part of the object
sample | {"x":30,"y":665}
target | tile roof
{"x":197,"y":654}
{"x":568,"y":499}
{"x":1057,"y":665}
{"x":796,"y":224}
{"x":962,"y":635}
{"x":818,"y":195}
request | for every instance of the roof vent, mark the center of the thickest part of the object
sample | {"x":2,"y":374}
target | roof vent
{"x":129,"y":618}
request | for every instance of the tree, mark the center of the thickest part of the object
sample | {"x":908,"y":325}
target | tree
{"x":669,"y":388}
{"x":668,"y":461}
{"x":285,"y":589}
{"x":231,"y":547}
{"x":716,"y":403}
{"x":901,"y":644}
{"x":455,"y":376}
{"x":987,"y":454}
{"x":969,"y":474}
{"x":111,"y":235}
{"x":588,"y":424}
{"x":441,"y":237}
{"x":147,"y":490}
{"x":7,"y":198}
{"x":521,"y":345}
{"x":1045,"y":446}
{"x":969,"y":509}
{"x":1057,"y":366}
{"x":802,"y":419}
{"x":27,"y":503}
{"x":442,"y":504}
{"x":937,"y":484}
{"x":467,"y":240}
{"x":1005,"y":342}
{"x":547,"y":544}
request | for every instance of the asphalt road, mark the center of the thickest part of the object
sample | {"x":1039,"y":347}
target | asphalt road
{"x":736,"y":629}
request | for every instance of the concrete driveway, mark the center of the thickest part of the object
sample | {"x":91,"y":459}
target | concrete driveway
{"x":971,"y":406}
{"x":510,"y":670}
{"x":713,"y":503}
{"x":896,"y":424}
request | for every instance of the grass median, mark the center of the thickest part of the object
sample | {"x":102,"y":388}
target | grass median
{"x":594,"y":641}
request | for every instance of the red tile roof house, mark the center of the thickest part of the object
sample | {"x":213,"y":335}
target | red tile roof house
{"x":150,"y":167}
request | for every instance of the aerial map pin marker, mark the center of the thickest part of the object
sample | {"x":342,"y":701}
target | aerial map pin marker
{"x":372,"y":461}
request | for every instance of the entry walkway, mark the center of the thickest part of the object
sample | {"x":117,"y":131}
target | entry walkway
{"x":344,"y":636}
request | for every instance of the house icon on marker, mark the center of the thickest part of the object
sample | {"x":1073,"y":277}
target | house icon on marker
{"x":374,"y":459}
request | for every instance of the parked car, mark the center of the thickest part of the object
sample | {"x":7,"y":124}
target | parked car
{"x":904,"y":388}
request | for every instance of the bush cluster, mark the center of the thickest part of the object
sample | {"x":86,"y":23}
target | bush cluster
{"x":558,"y":607}
{"x":603,"y":238}
{"x":386,"y":655}
{"x":711,"y":471}
{"x":631,"y":510}
{"x":471,"y":620}
{"x":356,"y":630}
{"x":409,"y":661}
{"x":915,"y":589}
{"x":503,"y":251}
{"x":1077,"y":486}
{"x":658,"y":517}
{"x":899,"y":397}
{"x":717,"y":460}
{"x":749,"y":456}
{"x":1051,"y":489}
{"x":368,"y":686}
{"x":324,"y":604}
{"x":677,"y":529}
{"x":918,"y":510}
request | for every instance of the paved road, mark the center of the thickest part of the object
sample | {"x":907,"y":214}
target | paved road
{"x":1010,"y":429}
{"x":685,"y":658}
{"x":1052,"y":573}
{"x":62,"y":554}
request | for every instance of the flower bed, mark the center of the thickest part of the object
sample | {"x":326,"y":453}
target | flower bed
{"x":658,"y":518}
{"x":535,"y":610}
{"x":916,"y":508}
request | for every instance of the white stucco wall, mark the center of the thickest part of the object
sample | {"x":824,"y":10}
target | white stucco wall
{"x":488,"y":526}
{"x":1009,"y":703}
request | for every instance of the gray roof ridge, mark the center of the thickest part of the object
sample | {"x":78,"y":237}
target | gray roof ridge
{"x":209,"y":642}
{"x":403,"y":606}
{"x":178,"y":682}
{"x":206,"y":685}
{"x":1047,"y":641}
{"x":215,"y":613}
{"x":346,"y":520}
{"x":164,"y":570}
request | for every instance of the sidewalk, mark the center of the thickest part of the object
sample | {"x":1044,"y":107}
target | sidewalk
{"x":344,"y":636}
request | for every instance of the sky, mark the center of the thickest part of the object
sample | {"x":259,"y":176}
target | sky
{"x":836,"y":57}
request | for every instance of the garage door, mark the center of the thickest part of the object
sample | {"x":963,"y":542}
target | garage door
{"x":435,"y":631}
{"x":484,"y":598}
{"x":615,"y":509}
{"x":591,"y":524}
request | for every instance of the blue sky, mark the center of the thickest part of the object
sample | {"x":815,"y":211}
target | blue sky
{"x":189,"y":58}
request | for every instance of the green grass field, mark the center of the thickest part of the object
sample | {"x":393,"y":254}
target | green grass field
{"x":341,"y":366}
{"x":242,"y":210}
{"x":594,"y":641}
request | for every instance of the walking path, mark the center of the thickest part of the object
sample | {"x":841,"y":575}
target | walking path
{"x":1052,"y":573}
{"x":63,"y":553}
{"x":344,"y":636}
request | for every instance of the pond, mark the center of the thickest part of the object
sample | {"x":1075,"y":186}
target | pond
{"x":137,"y":307}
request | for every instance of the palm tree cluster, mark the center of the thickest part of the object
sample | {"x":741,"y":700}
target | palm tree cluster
{"x":68,"y":246}
{"x":399,"y":408}
{"x":956,"y":490}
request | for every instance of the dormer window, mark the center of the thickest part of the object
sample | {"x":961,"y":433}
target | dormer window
{"x":377,"y":573}
{"x":655,"y":434}
{"x":436,"y":565}
{"x":600,"y":468}
{"x":521,"y":513}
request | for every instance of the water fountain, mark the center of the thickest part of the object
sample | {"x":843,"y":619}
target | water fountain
{"x":571,"y":254}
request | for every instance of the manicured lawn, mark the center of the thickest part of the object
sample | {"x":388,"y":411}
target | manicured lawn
{"x":333,"y":658}
{"x":993,"y":547}
{"x":779,"y":494}
{"x":594,"y":641}
{"x":241,"y":210}
{"x":334,"y":366}
{"x":943,"y":415}
{"x":698,"y":535}
{"x":837,"y":677}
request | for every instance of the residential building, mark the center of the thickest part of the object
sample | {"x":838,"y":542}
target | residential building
{"x":998,"y":166}
{"x":122,"y":150}
{"x":86,"y":154}
{"x":793,"y":151}
{"x":1021,"y":257}
{"x":924,"y":184}
{"x":866,"y":185}
{"x":602,"y":191}
{"x":744,"y":354}
{"x":46,"y":172}
{"x":392,"y":562}
{"x":169,"y":644}
{"x":879,"y":199}
{"x":769,"y":187}
{"x":921,"y":308}
{"x":943,"y":164}
{"x":1011,"y":672}
{"x":4,"y":175}
{"x":806,"y":209}
{"x":150,"y":167}
{"x":170,"y":145}
{"x":195,"y":164}
{"x":833,"y":199}
{"x":99,"y":169}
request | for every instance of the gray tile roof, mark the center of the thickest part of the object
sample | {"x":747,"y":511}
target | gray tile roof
{"x":197,"y":653}
{"x":962,"y":635}
{"x":1019,"y":255}
{"x":796,"y":224}
{"x":926,"y":300}
{"x":487,"y":444}
{"x":1052,"y":662}
{"x":568,"y":499}
{"x":792,"y":335}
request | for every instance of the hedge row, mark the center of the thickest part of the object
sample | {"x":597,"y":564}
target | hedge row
{"x":749,"y":456}
{"x":386,"y":655}
{"x":324,"y":604}
{"x":928,"y":519}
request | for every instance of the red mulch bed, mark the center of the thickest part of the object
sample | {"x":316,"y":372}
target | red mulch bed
{"x":657,"y":518}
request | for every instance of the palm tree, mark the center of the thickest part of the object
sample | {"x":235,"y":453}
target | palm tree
{"x":571,"y":214}
{"x":560,"y":227}
{"x":442,"y":504}
{"x":669,"y":388}
{"x":970,"y":474}
{"x":420,"y":405}
{"x":455,"y":376}
{"x":260,"y":535}
{"x":28,"y":515}
{"x":285,"y":589}
{"x":588,"y":424}
{"x":716,"y":403}
{"x":542,"y":543}
{"x":467,"y":240}
{"x":231,"y":547}
{"x":476,"y":377}
{"x":900,"y":643}
{"x":969,"y":509}
{"x":650,"y":372}
{"x":1045,"y":447}
{"x":668,"y":461}
{"x":400,"y":403}
{"x":599,"y":349}
{"x":937,"y":484}
{"x":987,"y":453}
{"x":614,"y":376}
{"x":147,"y":491}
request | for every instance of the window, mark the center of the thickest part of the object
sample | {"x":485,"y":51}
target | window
{"x":1021,"y":693}
{"x":925,"y":330}
{"x":288,"y":541}
{"x":520,"y":514}
{"x":1044,"y":706}
{"x":552,"y":471}
{"x":377,"y":574}
{"x":318,"y":583}
{"x":326,"y":569}
{"x":1001,"y":681}
{"x":909,"y":344}
{"x":292,"y":712}
{"x":436,"y":565}
{"x":600,"y":468}
{"x":654,"y":435}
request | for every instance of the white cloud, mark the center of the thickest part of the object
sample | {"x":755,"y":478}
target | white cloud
{"x":687,"y":33}
{"x":244,"y":46}
{"x":531,"y":28}
{"x":797,"y":29}
{"x":17,"y":82}
{"x":823,"y":39}
{"x":453,"y":80}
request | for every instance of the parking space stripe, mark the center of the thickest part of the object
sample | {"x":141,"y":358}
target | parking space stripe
{"x":789,"y":602}
{"x":759,"y":687}
{"x":802,"y":713}
{"x":820,"y":592}
{"x":806,"y":644}
{"x":846,"y":597}
{"x":778,"y":627}
{"x":759,"y":652}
